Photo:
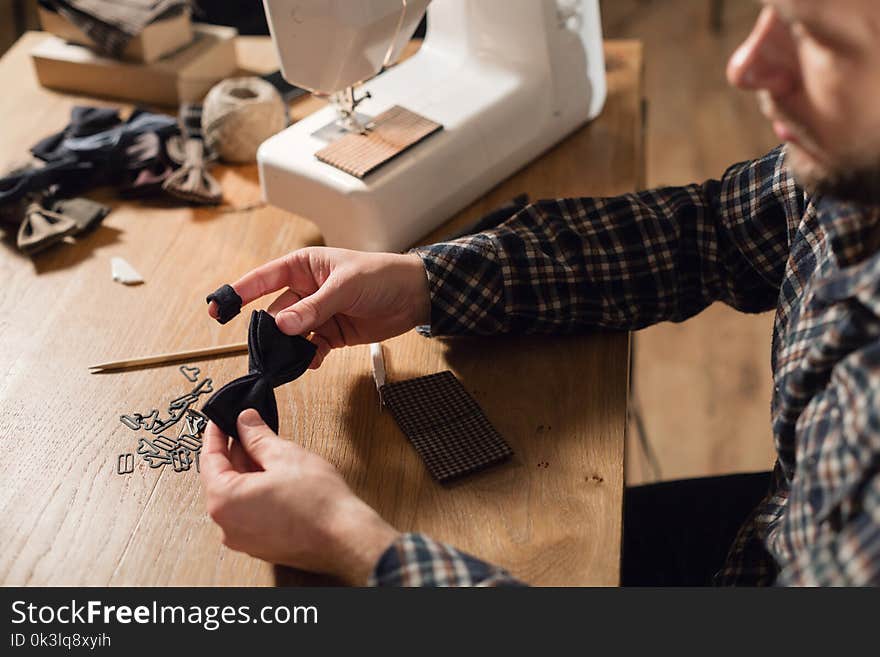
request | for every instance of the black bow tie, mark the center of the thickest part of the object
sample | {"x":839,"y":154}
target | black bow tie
{"x":273,"y":360}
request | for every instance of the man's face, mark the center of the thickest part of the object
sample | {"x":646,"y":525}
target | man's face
{"x":815,"y":65}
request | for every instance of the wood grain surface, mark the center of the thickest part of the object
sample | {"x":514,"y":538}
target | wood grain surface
{"x":552,"y":515}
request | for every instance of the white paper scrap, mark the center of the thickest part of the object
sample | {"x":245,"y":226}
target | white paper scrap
{"x":124,"y":273}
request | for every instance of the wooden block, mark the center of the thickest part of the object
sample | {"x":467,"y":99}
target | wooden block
{"x":392,"y":133}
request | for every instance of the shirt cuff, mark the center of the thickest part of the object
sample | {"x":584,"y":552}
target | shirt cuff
{"x":466,"y":286}
{"x":416,"y":560}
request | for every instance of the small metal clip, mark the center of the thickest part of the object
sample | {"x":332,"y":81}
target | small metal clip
{"x":192,"y":443}
{"x":125,"y":464}
{"x":181,"y":459}
{"x":196,"y":422}
{"x":149,"y":421}
{"x":191,"y":373}
{"x":157,"y":461}
{"x":204,"y":388}
{"x":151,"y":454}
{"x":161,"y":450}
{"x":163,"y":442}
{"x":133,"y":422}
{"x":145,"y":448}
{"x":176,"y":414}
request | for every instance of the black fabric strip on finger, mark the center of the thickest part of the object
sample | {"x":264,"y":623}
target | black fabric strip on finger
{"x":273,"y":360}
{"x":228,"y":303}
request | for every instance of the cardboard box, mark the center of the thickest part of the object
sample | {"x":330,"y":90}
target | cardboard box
{"x":183,"y":76}
{"x":157,"y":40}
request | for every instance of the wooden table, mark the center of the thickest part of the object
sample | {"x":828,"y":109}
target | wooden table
{"x":552,"y":515}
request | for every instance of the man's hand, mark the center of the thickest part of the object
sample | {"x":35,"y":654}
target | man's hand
{"x":281,"y":503}
{"x":345,"y":297}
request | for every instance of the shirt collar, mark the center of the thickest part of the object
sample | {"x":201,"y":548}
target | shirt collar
{"x":853,"y":231}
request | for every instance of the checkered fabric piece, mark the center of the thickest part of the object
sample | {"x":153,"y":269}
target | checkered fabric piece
{"x":109,"y":39}
{"x":189,"y":118}
{"x":445,"y":425}
{"x":755,"y":241}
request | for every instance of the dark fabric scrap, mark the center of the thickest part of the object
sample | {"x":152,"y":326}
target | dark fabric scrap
{"x":147,"y":166}
{"x":228,"y":303}
{"x":146,"y":182}
{"x":84,"y":121}
{"x":143,"y":155}
{"x":104,"y":151}
{"x":110,"y":146}
{"x":67,"y":175}
{"x":144,"y":151}
{"x":445,"y":424}
{"x":93,"y":149}
{"x":87,"y":214}
{"x":273,"y":360}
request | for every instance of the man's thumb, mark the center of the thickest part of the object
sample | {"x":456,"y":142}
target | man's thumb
{"x":258,"y":440}
{"x":310,"y":312}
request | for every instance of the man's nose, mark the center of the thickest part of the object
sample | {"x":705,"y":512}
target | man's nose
{"x":767,"y":59}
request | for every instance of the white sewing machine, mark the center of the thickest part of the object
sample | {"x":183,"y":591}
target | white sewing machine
{"x":507,"y":79}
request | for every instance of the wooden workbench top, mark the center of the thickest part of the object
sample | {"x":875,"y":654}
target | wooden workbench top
{"x":551,"y":516}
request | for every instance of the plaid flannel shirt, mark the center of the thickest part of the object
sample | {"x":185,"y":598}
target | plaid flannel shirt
{"x":755,"y":241}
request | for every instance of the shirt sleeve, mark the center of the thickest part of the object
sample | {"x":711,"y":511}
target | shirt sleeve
{"x":416,"y":560}
{"x":624,"y":262}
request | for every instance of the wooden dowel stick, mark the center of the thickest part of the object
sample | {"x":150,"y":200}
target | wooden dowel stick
{"x":163,"y":359}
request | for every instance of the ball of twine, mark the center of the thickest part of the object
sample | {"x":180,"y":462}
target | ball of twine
{"x":239,"y":114}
